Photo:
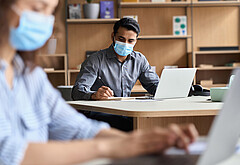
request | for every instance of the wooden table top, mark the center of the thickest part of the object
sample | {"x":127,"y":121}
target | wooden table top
{"x":190,"y":106}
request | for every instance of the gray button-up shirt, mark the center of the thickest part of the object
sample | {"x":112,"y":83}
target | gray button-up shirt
{"x":104,"y":68}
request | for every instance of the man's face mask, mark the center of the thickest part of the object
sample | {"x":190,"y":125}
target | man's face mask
{"x":123,"y":49}
{"x":33,"y":31}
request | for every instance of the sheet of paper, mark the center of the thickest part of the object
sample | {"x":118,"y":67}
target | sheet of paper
{"x":194,"y":149}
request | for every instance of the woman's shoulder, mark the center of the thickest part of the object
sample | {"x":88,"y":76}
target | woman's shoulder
{"x":36,"y":80}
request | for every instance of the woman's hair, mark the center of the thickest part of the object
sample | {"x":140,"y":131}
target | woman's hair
{"x":5,"y":8}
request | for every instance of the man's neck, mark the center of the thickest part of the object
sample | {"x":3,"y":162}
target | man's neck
{"x":121,"y":58}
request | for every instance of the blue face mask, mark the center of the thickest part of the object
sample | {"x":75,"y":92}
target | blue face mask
{"x":33,"y":31}
{"x":123,"y":49}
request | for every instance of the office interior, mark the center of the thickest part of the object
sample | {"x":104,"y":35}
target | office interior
{"x":209,"y":42}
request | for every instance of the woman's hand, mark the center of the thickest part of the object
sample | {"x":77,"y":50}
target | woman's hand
{"x":142,"y":142}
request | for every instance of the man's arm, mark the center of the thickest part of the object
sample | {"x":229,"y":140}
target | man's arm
{"x":148,"y":78}
{"x":86,"y":78}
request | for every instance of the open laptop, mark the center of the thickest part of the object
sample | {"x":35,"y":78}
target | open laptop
{"x":175,"y":83}
{"x":224,"y":134}
{"x":225,"y":131}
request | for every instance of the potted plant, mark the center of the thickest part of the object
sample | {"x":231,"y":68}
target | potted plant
{"x":91,"y":10}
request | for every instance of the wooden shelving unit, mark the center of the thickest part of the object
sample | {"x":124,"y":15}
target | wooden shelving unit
{"x":154,"y":4}
{"x":149,"y":37}
{"x":217,"y":68}
{"x":209,"y":24}
{"x":56,"y":71}
{"x":57,"y":62}
{"x":53,"y":55}
{"x":70,"y":77}
{"x":87,"y":21}
{"x":217,"y":52}
{"x":216,"y":4}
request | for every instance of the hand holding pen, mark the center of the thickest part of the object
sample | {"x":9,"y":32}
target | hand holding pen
{"x":103,"y":92}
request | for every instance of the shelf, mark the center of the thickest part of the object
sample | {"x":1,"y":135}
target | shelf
{"x":215,"y":3}
{"x":217,"y":52}
{"x":56,"y":71}
{"x":218,"y":68}
{"x":53,"y":55}
{"x":73,"y":70}
{"x":214,"y":85}
{"x":147,"y":37}
{"x":178,"y":4}
{"x":93,"y":20}
{"x":153,"y":4}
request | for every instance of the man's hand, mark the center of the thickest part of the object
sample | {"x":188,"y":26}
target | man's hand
{"x":102,"y":93}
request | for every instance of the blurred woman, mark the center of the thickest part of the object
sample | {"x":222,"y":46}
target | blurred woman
{"x":37,"y":126}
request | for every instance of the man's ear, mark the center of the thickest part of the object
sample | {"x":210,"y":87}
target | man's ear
{"x":112,"y":36}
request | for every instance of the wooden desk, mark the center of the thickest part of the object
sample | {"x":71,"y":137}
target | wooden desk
{"x":147,"y":114}
{"x":138,"y":90}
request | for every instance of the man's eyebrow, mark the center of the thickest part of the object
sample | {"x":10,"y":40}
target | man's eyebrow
{"x":121,"y":37}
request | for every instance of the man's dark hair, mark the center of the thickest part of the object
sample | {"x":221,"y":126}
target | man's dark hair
{"x":128,"y":23}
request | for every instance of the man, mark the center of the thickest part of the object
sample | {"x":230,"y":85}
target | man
{"x":113,"y":72}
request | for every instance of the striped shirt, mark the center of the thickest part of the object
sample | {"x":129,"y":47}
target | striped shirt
{"x":33,"y":111}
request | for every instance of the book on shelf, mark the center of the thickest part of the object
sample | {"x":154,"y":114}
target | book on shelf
{"x":74,"y":11}
{"x":206,"y":82}
{"x":106,"y":9}
{"x":179,"y":25}
{"x":157,"y":0}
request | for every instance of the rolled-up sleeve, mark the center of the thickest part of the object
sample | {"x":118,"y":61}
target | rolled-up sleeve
{"x":148,"y":78}
{"x":12,"y":149}
{"x":86,"y":78}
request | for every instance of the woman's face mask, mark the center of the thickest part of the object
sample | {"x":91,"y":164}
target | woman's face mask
{"x":33,"y":31}
{"x":123,"y":49}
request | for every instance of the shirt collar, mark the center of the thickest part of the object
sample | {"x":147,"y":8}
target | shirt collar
{"x":111,"y":53}
{"x":18,"y":65}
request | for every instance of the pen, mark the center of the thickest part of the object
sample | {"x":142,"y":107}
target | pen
{"x":104,"y":84}
{"x":102,"y":81}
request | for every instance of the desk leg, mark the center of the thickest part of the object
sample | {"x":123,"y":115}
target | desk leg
{"x":136,"y":123}
{"x":202,"y":123}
